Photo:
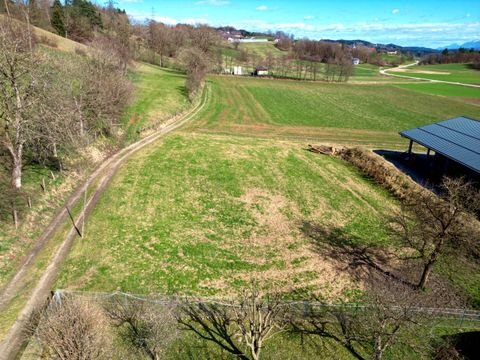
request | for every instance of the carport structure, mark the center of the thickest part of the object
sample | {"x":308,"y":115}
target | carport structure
{"x":454,"y":140}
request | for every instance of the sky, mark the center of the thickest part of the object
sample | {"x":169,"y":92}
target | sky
{"x":408,"y":23}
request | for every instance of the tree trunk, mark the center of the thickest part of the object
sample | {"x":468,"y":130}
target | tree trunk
{"x":15,"y":217}
{"x":7,"y":8}
{"x":17,"y":170}
{"x":427,"y":269}
{"x":378,"y":349}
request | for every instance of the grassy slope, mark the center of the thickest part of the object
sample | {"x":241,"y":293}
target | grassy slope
{"x":261,"y":49}
{"x":63,"y":44}
{"x":366,"y":114}
{"x":202,"y":215}
{"x":448,"y":72}
{"x":160,"y":94}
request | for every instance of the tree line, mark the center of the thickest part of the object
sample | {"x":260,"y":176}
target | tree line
{"x":461,"y":55}
{"x":393,"y":320}
{"x":53,"y":104}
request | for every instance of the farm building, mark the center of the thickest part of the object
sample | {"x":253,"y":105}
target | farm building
{"x":260,"y":71}
{"x":355,"y":61}
{"x":453,"y":146}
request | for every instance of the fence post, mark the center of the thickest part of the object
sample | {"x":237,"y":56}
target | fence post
{"x":463,"y":317}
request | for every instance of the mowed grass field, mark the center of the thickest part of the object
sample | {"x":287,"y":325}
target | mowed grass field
{"x":371,"y":115}
{"x":462,"y":73}
{"x":456,"y":92}
{"x":201,"y":214}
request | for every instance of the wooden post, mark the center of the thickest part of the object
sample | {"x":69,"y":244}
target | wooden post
{"x":29,"y":201}
{"x":73,"y":222}
{"x":43,"y":185}
{"x":15,"y":216}
{"x":84,"y":207}
{"x":428,"y":152}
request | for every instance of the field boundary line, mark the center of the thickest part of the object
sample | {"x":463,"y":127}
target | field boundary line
{"x":309,"y":306}
{"x":104,"y":173}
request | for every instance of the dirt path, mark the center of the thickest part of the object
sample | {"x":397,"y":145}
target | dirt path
{"x":13,"y":341}
{"x":386,"y":72}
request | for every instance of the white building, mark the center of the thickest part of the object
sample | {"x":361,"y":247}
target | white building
{"x":237,"y":70}
{"x":355,"y":61}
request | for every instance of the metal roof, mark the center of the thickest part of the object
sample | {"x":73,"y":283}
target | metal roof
{"x":457,"y":139}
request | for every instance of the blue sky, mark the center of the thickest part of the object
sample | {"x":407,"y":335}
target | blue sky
{"x":417,"y":23}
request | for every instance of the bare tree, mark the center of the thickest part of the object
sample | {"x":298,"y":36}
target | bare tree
{"x":71,"y":329}
{"x":429,"y":225}
{"x":148,"y":327}
{"x":196,"y":65}
{"x":255,"y":320}
{"x":19,"y":91}
{"x":390,"y":316}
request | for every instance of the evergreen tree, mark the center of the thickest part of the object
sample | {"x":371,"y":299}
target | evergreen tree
{"x":57,"y":18}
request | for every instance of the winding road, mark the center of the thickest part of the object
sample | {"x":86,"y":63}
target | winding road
{"x":101,"y":177}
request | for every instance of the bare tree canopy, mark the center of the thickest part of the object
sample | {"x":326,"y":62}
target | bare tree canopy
{"x":430,"y":226}
{"x":240,"y":328}
{"x":20,"y":93}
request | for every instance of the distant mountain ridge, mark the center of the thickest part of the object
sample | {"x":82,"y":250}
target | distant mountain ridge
{"x":468,"y":45}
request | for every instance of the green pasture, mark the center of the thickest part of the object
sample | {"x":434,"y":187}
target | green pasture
{"x":159,"y":94}
{"x":457,"y":92}
{"x":204,"y":215}
{"x":463,"y":73}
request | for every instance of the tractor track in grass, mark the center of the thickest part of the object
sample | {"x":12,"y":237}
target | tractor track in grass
{"x":102,"y":176}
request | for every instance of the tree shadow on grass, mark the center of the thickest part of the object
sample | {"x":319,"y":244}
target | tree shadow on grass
{"x":182,"y":90}
{"x":353,"y":256}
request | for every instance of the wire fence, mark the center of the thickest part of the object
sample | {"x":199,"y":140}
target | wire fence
{"x":442,"y":317}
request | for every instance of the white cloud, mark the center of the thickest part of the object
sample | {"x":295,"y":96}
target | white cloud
{"x":213,"y":2}
{"x":194,"y":21}
{"x":262,"y":8}
{"x":395,"y":11}
{"x":309,"y":17}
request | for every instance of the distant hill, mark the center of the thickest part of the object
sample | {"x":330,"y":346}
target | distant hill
{"x":468,"y":45}
{"x":416,"y":50}
{"x":230,"y":31}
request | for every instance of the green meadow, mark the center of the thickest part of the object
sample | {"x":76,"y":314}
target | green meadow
{"x":204,"y":215}
{"x":159,"y":94}
{"x":462,"y":73}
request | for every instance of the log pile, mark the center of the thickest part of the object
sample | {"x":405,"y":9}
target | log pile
{"x":322,"y":149}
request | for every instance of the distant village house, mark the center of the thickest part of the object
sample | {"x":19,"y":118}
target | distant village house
{"x":260,"y":71}
{"x":355,"y":61}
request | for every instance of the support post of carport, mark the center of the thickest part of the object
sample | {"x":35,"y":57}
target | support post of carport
{"x":410,"y":147}
{"x":428,"y":151}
